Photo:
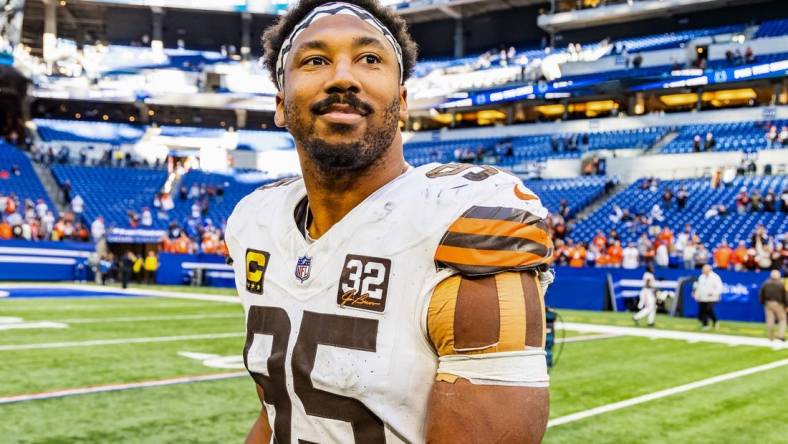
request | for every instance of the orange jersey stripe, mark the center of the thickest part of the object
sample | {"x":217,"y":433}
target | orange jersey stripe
{"x":491,"y":227}
{"x":493,"y":258}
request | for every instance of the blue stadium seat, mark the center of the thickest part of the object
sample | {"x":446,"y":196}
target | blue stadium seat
{"x":25,"y":186}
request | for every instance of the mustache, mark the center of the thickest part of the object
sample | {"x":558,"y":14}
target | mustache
{"x":351,"y":100}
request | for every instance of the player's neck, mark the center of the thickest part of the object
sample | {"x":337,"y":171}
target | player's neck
{"x":330,"y":199}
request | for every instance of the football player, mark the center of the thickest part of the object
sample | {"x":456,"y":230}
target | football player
{"x":384,"y":303}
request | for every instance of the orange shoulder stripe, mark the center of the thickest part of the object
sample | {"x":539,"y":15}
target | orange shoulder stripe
{"x":493,"y":227}
{"x":498,"y":258}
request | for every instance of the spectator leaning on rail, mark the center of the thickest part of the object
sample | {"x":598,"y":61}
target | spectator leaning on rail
{"x":707,"y":291}
{"x":773,"y":297}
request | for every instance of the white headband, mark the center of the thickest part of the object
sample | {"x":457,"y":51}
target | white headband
{"x":327,"y":10}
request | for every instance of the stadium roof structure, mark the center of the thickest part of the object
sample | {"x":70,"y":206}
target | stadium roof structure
{"x":429,"y":10}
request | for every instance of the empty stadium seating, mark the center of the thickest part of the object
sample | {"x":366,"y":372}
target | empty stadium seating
{"x":112,"y":192}
{"x":27,"y":184}
{"x":772,"y":28}
{"x":674,"y":39}
{"x":732,"y":227}
{"x":578,"y":192}
{"x":731,"y":136}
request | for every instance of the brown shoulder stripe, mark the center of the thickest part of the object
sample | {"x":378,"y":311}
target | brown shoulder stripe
{"x":476,"y":315}
{"x":534,"y":310}
{"x":502,"y":213}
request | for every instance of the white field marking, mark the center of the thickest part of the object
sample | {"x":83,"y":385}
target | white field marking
{"x":216,"y":361}
{"x":150,"y":318}
{"x":7,"y":308}
{"x":49,"y":345}
{"x":670,"y":334}
{"x":119,"y":387}
{"x":664,"y":393}
{"x":585,"y":338}
{"x":13,"y":323}
{"x":134,"y":292}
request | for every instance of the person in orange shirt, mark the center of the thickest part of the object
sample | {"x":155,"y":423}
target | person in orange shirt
{"x":723,"y":255}
{"x":739,"y":256}
{"x":600,"y":240}
{"x":5,"y":230}
{"x":577,"y":256}
{"x":666,"y":237}
{"x":616,"y":254}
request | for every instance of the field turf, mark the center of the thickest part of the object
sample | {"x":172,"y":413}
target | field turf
{"x":136,"y":339}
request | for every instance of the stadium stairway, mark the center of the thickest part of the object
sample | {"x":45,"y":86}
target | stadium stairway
{"x":50,"y":186}
{"x":661,"y":143}
{"x":600,"y":201}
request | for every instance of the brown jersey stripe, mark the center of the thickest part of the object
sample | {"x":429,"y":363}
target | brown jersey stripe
{"x":488,"y":258}
{"x":534,"y":310}
{"x":487,"y":227}
{"x":477,"y":314}
{"x":440,"y":315}
{"x":512,"y":302}
{"x":493,"y":243}
{"x":502,"y":213}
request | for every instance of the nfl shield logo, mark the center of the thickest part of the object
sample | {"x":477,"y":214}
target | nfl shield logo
{"x":302,"y":268}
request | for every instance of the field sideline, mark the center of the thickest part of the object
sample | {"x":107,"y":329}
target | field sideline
{"x":167,"y":369}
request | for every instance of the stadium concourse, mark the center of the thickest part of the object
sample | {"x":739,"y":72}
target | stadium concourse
{"x":655,"y":132}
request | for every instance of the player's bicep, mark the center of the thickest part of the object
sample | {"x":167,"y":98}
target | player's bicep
{"x":462,"y":412}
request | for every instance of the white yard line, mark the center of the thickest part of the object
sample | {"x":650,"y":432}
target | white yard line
{"x":132,"y":292}
{"x":581,"y":338}
{"x":8,"y":305}
{"x":664,"y":393}
{"x":238,"y":315}
{"x":655,"y":333}
{"x":119,"y":387}
{"x":49,"y":345}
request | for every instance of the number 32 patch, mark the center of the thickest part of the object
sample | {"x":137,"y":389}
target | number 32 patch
{"x":364,"y":283}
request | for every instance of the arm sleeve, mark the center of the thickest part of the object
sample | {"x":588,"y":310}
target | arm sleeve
{"x":472,"y":322}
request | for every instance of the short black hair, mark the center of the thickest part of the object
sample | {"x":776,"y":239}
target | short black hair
{"x":274,"y":37}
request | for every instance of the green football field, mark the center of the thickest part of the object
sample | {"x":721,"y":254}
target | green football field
{"x":605,"y":388}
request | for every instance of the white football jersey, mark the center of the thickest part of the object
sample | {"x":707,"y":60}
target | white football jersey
{"x":336,"y":332}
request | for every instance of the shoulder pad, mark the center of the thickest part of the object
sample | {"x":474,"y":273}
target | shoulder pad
{"x":501,"y":227}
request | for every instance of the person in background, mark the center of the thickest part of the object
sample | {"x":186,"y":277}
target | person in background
{"x":739,"y":256}
{"x":723,"y":255}
{"x":631,"y":257}
{"x":755,"y":200}
{"x":681,"y":197}
{"x":647,"y":302}
{"x":742,"y":201}
{"x":661,"y":256}
{"x":688,"y":255}
{"x":125,"y":265}
{"x":707,"y":292}
{"x":774,"y":299}
{"x":97,"y":229}
{"x":600,"y":241}
{"x":696,"y":143}
{"x":77,"y":205}
{"x":150,"y":266}
{"x":770,"y":201}
{"x":701,"y":256}
{"x":667,"y":197}
{"x":615,"y":254}
{"x":577,"y":255}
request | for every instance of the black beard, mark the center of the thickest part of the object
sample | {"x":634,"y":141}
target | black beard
{"x":332,"y":159}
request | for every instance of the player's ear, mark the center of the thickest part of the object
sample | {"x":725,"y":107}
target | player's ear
{"x":279,"y":114}
{"x":403,"y":103}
